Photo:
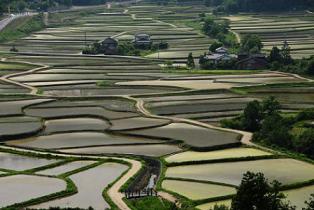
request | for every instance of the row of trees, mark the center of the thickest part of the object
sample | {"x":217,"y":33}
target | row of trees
{"x":271,"y":128}
{"x":37,"y":5}
{"x":42,"y":5}
{"x":218,"y":30}
{"x":259,"y":5}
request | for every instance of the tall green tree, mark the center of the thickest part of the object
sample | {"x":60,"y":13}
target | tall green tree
{"x":275,"y":55}
{"x":252,"y":116}
{"x":190,"y":61}
{"x":286,"y":53}
{"x":309,"y":204}
{"x":255,"y":193}
{"x":251,"y":44}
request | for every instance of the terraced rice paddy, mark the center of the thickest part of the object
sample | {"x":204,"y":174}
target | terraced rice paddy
{"x":197,"y":191}
{"x":16,"y":189}
{"x":86,"y":109}
{"x":215,"y":155}
{"x":136,"y":123}
{"x":191,"y":135}
{"x":297,"y":28}
{"x":231,"y":173}
{"x":299,"y":196}
{"x":90,"y":193}
{"x":20,"y":163}
{"x":75,"y":124}
{"x":65,"y":168}
{"x":79,"y":139}
{"x":154,"y":150}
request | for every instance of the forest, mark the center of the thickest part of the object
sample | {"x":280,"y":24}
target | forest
{"x":42,"y":5}
{"x":233,"y":6}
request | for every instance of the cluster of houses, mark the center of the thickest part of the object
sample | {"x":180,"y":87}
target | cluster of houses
{"x":221,"y":54}
{"x":243,"y":60}
{"x":110,"y":44}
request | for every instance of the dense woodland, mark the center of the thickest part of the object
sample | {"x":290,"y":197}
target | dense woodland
{"x":247,"y":5}
{"x":42,"y":5}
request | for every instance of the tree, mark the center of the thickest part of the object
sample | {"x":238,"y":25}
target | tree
{"x":255,"y":193}
{"x":310,"y":203}
{"x":214,"y":46}
{"x":305,"y":142}
{"x":271,"y":106}
{"x":285,"y":53}
{"x":275,"y":131}
{"x":251,"y":44}
{"x":220,"y":207}
{"x":310,"y":68}
{"x":190,"y":61}
{"x":252,"y":116}
{"x":275,"y":55}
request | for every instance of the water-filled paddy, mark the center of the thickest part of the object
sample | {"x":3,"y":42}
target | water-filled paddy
{"x":15,"y":107}
{"x":231,"y":173}
{"x":65,"y":168}
{"x":190,"y":134}
{"x":12,"y":129}
{"x":136,"y":123}
{"x":78,"y":139}
{"x":75,"y":124}
{"x":19,"y":162}
{"x":297,"y":197}
{"x":189,"y":84}
{"x":197,"y":191}
{"x":155,"y":150}
{"x":215,"y":155}
{"x":19,"y":188}
{"x":90,"y":185}
{"x":77,"y":112}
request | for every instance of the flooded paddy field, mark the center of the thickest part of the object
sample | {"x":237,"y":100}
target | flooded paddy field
{"x":65,"y":168}
{"x":109,"y":106}
{"x":137,"y":123}
{"x":16,"y":189}
{"x":79,"y":139}
{"x":197,"y":191}
{"x":67,"y":112}
{"x":153,"y":150}
{"x":215,"y":155}
{"x":191,"y":135}
{"x":89,"y":193}
{"x":75,"y":124}
{"x":231,"y":173}
{"x":20,"y":163}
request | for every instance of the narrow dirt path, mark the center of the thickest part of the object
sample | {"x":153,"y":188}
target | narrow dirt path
{"x":114,"y":193}
{"x":246,"y":136}
{"x":34,"y":90}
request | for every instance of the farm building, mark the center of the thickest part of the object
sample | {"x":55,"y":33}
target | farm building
{"x":220,"y":54}
{"x":254,"y":61}
{"x":142,"y":40}
{"x":110,"y":46}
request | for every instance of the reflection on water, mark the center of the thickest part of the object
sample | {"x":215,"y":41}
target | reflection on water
{"x":18,"y":162}
{"x":19,"y":188}
{"x":90,"y":185}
